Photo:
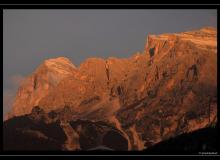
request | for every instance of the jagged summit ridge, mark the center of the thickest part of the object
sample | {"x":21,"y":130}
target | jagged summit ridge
{"x":105,"y":75}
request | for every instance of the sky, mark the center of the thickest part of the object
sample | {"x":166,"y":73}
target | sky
{"x":31,"y":36}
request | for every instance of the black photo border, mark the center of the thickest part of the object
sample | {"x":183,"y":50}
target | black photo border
{"x":107,"y":7}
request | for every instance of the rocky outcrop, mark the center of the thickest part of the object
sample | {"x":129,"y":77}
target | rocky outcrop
{"x":168,"y":90}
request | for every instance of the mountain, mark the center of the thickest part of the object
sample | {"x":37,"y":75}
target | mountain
{"x":167,"y":90}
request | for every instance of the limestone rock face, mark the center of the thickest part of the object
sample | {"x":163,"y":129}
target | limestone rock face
{"x":168,"y":89}
{"x":37,"y":85}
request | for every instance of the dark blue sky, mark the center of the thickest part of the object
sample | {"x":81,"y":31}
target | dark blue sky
{"x":31,"y":36}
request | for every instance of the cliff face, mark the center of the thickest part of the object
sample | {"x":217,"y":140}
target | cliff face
{"x":169,"y":89}
{"x":38,"y":84}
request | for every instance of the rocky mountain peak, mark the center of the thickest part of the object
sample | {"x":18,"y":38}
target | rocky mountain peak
{"x":61,"y":65}
{"x":37,"y":85}
{"x":58,"y":62}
